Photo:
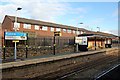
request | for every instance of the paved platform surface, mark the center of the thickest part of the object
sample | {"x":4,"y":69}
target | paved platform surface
{"x":50,"y":58}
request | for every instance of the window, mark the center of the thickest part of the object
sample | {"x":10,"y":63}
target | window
{"x":44,"y":28}
{"x":81,"y":32}
{"x":36,"y":27}
{"x":73,"y":31}
{"x":17,"y":25}
{"x":77,"y":32}
{"x":69,"y":31}
{"x":52,"y":29}
{"x":64,"y":30}
{"x":58,"y":29}
{"x":27,"y":26}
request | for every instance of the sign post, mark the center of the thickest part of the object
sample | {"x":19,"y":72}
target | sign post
{"x":54,"y":46}
{"x":57,"y":33}
{"x":15,"y":57}
{"x":15,"y":36}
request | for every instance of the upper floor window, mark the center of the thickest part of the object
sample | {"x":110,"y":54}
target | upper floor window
{"x":74,"y":32}
{"x":77,"y":32}
{"x":58,"y":29}
{"x":82,"y":32}
{"x":52,"y":29}
{"x":37,"y":27}
{"x":17,"y":25}
{"x":69,"y":31}
{"x":45,"y":28}
{"x":27,"y":26}
{"x":64,"y":30}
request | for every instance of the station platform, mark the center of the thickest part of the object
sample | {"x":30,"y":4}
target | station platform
{"x":19,"y":63}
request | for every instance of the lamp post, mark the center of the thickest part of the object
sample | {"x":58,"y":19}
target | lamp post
{"x":77,"y":43}
{"x":77,"y":36}
{"x":16,"y":28}
{"x":98,"y":28}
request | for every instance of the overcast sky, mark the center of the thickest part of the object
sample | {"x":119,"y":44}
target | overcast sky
{"x":68,"y":12}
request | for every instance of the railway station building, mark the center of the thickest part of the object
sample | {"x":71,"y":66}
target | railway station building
{"x":40,"y":34}
{"x":36,"y":28}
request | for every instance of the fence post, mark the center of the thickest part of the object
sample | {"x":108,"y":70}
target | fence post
{"x":95,"y":43}
{"x":58,"y":40}
{"x":4,"y":47}
{"x":44,"y":42}
{"x":74,"y":45}
{"x":26,"y":46}
{"x":101,"y":41}
{"x":4,"y":52}
{"x":26,"y":51}
{"x":54,"y":45}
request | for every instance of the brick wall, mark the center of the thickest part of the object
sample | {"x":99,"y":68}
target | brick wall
{"x":44,"y":32}
{"x":8,"y":25}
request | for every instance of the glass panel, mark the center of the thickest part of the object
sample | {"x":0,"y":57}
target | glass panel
{"x":64,"y":30}
{"x":17,"y":25}
{"x":36,"y":27}
{"x":27,"y":26}
{"x":69,"y":31}
{"x":44,"y":28}
{"x":58,"y":29}
{"x":52,"y":29}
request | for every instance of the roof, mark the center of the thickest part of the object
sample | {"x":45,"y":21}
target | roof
{"x":105,"y":34}
{"x":90,"y":33}
{"x":38,"y":22}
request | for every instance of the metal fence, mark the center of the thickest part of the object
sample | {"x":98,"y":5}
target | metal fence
{"x":37,"y":47}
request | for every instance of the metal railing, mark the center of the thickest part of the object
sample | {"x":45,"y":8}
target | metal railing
{"x":37,"y":47}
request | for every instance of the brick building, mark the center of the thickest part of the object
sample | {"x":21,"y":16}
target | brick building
{"x":36,"y":28}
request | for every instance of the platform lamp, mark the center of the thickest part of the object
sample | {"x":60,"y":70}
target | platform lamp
{"x":77,"y":36}
{"x":16,"y":28}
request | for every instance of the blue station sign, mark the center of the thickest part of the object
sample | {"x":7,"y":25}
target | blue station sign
{"x":15,"y":36}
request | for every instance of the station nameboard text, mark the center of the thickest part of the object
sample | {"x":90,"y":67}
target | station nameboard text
{"x":15,"y":36}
